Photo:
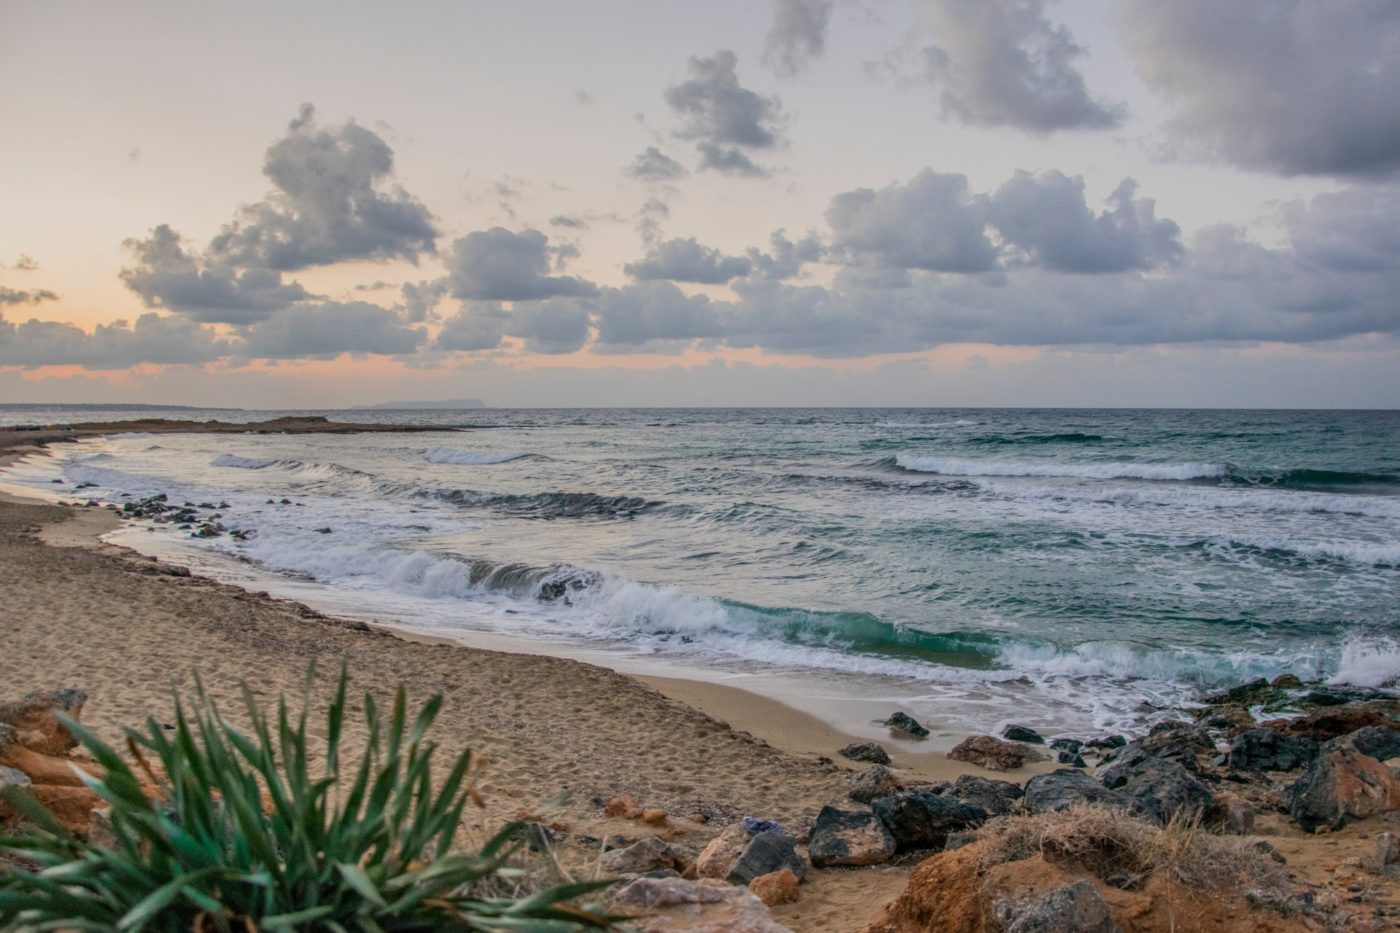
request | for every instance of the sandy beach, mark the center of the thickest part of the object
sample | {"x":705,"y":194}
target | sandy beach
{"x":131,"y":633}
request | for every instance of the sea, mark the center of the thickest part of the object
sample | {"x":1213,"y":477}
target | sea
{"x":1079,"y":571}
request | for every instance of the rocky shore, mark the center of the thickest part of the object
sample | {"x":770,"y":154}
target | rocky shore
{"x":1271,"y":806}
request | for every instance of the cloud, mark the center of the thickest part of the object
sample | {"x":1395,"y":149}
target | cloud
{"x":723,"y":117}
{"x":33,"y":296}
{"x":153,"y":338}
{"x":421,"y":298}
{"x":332,"y":202}
{"x":932,"y":222}
{"x":552,"y":326}
{"x":1046,"y":217}
{"x":568,"y":221}
{"x":498,"y":265}
{"x":330,"y":329}
{"x":688,"y":261}
{"x":648,"y":313}
{"x":786,"y":258}
{"x":1296,"y":88}
{"x":797,"y":35}
{"x":1004,"y":63}
{"x":652,"y":214}
{"x":653,"y":165}
{"x":165,"y":276}
{"x":24,"y":263}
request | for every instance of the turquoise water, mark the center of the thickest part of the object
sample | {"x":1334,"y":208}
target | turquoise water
{"x":1085,"y":557}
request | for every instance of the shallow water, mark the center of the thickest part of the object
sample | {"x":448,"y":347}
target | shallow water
{"x":973,"y":566}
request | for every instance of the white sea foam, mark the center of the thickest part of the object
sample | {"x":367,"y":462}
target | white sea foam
{"x":469,"y":457}
{"x":243,"y":463}
{"x":953,"y":466}
{"x":1368,"y":662}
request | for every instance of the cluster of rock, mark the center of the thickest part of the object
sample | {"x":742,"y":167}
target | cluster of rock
{"x":186,"y":516}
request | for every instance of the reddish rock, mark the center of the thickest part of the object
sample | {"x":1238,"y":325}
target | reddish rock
{"x":35,"y":719}
{"x":624,"y":806}
{"x":1329,"y":723}
{"x":779,"y":887}
{"x":654,"y":817}
{"x":990,"y":753}
{"x":717,"y":859}
{"x":1342,"y":786}
{"x":675,"y":904}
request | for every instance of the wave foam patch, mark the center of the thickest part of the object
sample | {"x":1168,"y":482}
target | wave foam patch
{"x":1368,"y":662}
{"x":469,"y":457}
{"x":954,"y":466}
{"x":247,"y":463}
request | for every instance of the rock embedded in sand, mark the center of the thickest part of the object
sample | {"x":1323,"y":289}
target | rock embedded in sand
{"x":903,"y":722}
{"x":675,"y":904}
{"x":650,"y":854}
{"x":866,"y":751}
{"x":625,"y":806}
{"x":1159,"y":789}
{"x":1270,"y":750}
{"x":849,"y":837}
{"x":1022,"y":734}
{"x":1340,"y":787}
{"x":990,"y":753}
{"x":1075,"y":908}
{"x":779,"y":887}
{"x":717,"y":859}
{"x":995,"y":798}
{"x":872,"y":783}
{"x":766,"y":853}
{"x":1386,"y":853}
{"x":920,"y":819}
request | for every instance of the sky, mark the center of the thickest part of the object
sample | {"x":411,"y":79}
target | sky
{"x":767,"y":202}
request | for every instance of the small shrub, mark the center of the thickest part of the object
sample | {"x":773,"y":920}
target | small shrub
{"x":1110,"y":843}
{"x":240,"y":835}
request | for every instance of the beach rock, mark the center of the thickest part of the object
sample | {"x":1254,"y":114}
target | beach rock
{"x":1071,"y":759}
{"x":1023,"y":734}
{"x":990,"y":753}
{"x":872,"y":783}
{"x":654,"y":817}
{"x":1231,"y":716}
{"x":780,"y":887}
{"x":35,"y":719}
{"x":625,"y":806}
{"x":650,"y":854}
{"x":1240,"y":694}
{"x":766,"y":853}
{"x":1064,"y":788}
{"x":1341,"y":786}
{"x":1233,"y":815}
{"x":1270,"y":750}
{"x":1379,"y":742}
{"x":866,"y":751}
{"x":919,"y":819}
{"x":1286,"y":682}
{"x":1159,"y":789}
{"x":717,"y":859}
{"x":1324,"y":698}
{"x":992,"y":797}
{"x":1075,"y":908}
{"x":12,"y":779}
{"x":1107,"y":742}
{"x":1067,"y":745}
{"x":903,"y":722}
{"x":849,"y":837}
{"x":1328,"y":724}
{"x":1386,"y":853}
{"x":705,"y":906}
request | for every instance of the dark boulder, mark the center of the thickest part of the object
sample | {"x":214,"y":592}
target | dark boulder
{"x":1329,"y":723}
{"x":1270,"y":750}
{"x":849,"y":837}
{"x":1075,"y":908}
{"x":903,"y":722}
{"x":1241,"y":694}
{"x":1379,"y":742}
{"x":865,"y":751}
{"x":992,"y":753}
{"x":993,"y":797}
{"x":873,"y":783}
{"x":1342,"y":786}
{"x":922,"y":820}
{"x":1023,"y":734}
{"x":1064,"y":788}
{"x":1159,"y":789}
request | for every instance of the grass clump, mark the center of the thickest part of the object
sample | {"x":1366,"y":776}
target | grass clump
{"x":233,"y":831}
{"x":1126,"y":851}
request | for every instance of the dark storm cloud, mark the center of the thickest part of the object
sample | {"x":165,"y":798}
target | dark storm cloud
{"x":153,"y":338}
{"x":333,"y":202}
{"x":797,"y":35}
{"x":688,"y":261}
{"x":932,"y":222}
{"x":499,"y":265}
{"x":330,"y":329}
{"x":33,"y":296}
{"x":1004,"y":63}
{"x":1297,"y":88}
{"x":166,"y":276}
{"x":723,"y":117}
{"x":653,"y":165}
{"x":1353,"y":230}
{"x":1046,"y":217}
